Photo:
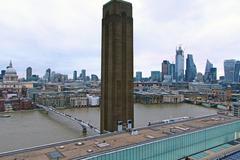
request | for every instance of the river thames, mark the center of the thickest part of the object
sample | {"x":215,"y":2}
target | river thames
{"x":31,"y":128}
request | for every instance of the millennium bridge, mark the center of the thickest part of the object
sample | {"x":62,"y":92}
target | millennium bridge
{"x":69,"y":119}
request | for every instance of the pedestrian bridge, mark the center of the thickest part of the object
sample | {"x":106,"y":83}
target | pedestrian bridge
{"x":69,"y":118}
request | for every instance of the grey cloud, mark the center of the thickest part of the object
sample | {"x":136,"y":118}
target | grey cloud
{"x":66,"y":34}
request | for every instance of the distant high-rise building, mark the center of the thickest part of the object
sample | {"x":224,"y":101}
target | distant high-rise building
{"x":48,"y":75}
{"x":138,"y":76}
{"x":94,"y":77}
{"x":83,"y":75}
{"x":74,"y":75}
{"x":117,"y":66}
{"x":34,"y":77}
{"x":208,"y":67}
{"x":191,"y":69}
{"x":87,"y":78}
{"x":213,"y":75}
{"x":155,"y":76}
{"x":172,"y":71}
{"x":58,"y":77}
{"x":237,"y":72}
{"x":2,"y":74}
{"x":179,"y":64}
{"x":28,"y":73}
{"x":199,"y":77}
{"x":166,"y":68}
{"x":229,"y":70}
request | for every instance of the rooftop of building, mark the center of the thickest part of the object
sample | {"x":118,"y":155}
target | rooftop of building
{"x":105,"y":143}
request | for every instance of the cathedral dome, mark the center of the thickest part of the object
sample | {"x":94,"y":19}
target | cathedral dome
{"x":10,"y":75}
{"x":10,"y":70}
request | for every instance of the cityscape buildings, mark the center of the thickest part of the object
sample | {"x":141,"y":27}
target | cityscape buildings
{"x":83,"y":75}
{"x":229,"y":70}
{"x":166,"y":69}
{"x":172,"y":71}
{"x":28,"y":73}
{"x":11,"y":87}
{"x":2,"y":74}
{"x":213,"y":75}
{"x":74,"y":75}
{"x":48,"y":75}
{"x":94,"y":77}
{"x":237,"y":72}
{"x":208,"y":67}
{"x":117,"y":67}
{"x":199,"y":77}
{"x":138,"y":76}
{"x":191,"y":69}
{"x":179,"y":68}
{"x":155,"y":76}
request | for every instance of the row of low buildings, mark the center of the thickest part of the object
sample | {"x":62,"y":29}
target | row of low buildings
{"x":153,"y":92}
{"x":149,"y":97}
{"x":65,"y":99}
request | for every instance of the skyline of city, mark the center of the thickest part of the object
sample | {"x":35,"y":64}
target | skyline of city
{"x":202,"y":29}
{"x":189,"y":66}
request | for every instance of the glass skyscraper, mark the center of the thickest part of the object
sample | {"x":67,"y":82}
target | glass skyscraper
{"x":208,"y":67}
{"x":155,"y":76}
{"x":172,"y":71}
{"x":191,"y":69}
{"x":237,"y":72}
{"x":229,"y":69}
{"x":179,"y":64}
{"x":165,"y":68}
{"x":213,"y":75}
{"x":138,"y":76}
{"x":28,"y":73}
{"x":74,"y":75}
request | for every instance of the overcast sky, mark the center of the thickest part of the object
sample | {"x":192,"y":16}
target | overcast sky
{"x":65,"y":35}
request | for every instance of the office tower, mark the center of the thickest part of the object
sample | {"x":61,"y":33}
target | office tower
{"x":2,"y":74}
{"x":87,"y":78}
{"x":74,"y":75}
{"x":83,"y":75}
{"x":138,"y":76}
{"x":166,"y":70}
{"x":34,"y":77}
{"x":155,"y":76}
{"x":191,"y":69}
{"x":199,"y":77}
{"x":94,"y":77}
{"x":48,"y":75}
{"x":237,"y":72}
{"x":117,"y":66}
{"x":28,"y":73}
{"x":172,"y":71}
{"x":213,"y":75}
{"x":179,"y":64}
{"x":229,"y":69}
{"x":208,"y":67}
